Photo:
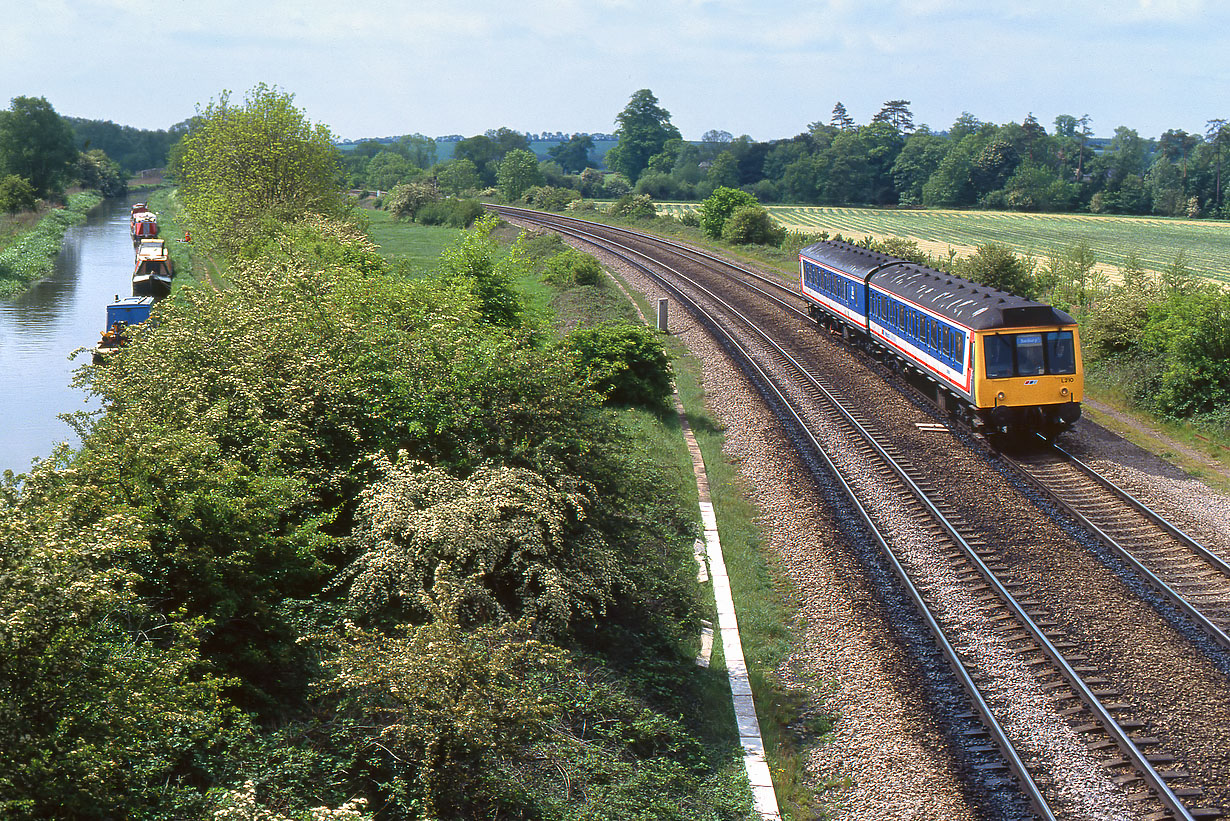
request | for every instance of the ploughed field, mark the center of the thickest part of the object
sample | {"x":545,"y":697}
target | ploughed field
{"x":1156,"y":240}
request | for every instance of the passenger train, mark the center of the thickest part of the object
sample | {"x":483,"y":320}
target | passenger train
{"x":1005,"y":364}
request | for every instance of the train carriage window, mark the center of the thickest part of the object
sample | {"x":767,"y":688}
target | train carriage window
{"x":1060,"y":352}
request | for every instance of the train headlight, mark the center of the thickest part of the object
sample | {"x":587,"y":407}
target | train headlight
{"x":1000,"y":396}
{"x":1063,"y":391}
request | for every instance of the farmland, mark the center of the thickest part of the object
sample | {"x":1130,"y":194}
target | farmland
{"x":1156,"y":241}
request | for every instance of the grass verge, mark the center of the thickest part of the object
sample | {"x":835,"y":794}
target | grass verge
{"x":32,"y":256}
{"x":790,"y":719}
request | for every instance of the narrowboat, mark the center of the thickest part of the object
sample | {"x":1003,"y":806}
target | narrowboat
{"x":152,"y":274}
{"x":121,"y":314}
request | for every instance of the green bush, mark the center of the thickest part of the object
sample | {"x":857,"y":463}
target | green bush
{"x":572,"y":267}
{"x":454,"y":213}
{"x":633,"y":206}
{"x":550,"y":198}
{"x":16,"y":194}
{"x":627,"y":364}
{"x":718,"y":207}
{"x":998,"y":266}
{"x":752,"y":225}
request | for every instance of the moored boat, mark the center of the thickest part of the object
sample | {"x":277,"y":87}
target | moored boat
{"x":143,"y":223}
{"x":153,"y":271}
{"x":121,"y":314}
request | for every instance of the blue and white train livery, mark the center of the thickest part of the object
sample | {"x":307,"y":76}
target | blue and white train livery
{"x":1006,"y":363}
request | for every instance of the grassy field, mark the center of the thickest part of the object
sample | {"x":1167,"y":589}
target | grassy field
{"x":419,"y":246}
{"x":1156,"y":241}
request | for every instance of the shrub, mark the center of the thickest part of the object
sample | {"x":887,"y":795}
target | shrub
{"x":549,"y":198}
{"x":572,"y":267}
{"x":16,"y":194}
{"x":633,"y":206}
{"x":998,"y":266}
{"x":752,"y":225}
{"x":625,"y":363}
{"x":451,"y":212}
{"x":718,"y":207}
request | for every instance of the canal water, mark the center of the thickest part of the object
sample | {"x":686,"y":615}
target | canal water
{"x":39,"y":329}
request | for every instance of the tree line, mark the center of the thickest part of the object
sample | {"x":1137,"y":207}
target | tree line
{"x":40,"y":158}
{"x":891,"y":162}
{"x":888,"y":161}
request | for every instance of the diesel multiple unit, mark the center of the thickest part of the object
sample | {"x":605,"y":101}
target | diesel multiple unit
{"x":1006,"y":364}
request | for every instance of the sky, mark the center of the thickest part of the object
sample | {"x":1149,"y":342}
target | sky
{"x":764,"y":68}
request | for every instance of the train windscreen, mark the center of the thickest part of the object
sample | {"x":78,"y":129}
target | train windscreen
{"x":1030,"y":354}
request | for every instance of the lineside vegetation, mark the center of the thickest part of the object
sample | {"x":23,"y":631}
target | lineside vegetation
{"x":347,"y":544}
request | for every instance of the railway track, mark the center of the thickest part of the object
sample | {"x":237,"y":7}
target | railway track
{"x":1186,"y":573}
{"x":998,"y":640}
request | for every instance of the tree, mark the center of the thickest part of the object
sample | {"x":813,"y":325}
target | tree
{"x":840,"y":119}
{"x":518,"y":171}
{"x":1033,"y":136}
{"x":457,"y":176}
{"x":240,"y":164}
{"x":917,"y":161}
{"x":1218,"y":134}
{"x":1177,"y":145}
{"x":573,"y":155}
{"x":96,"y":170}
{"x":644,"y":128}
{"x":724,"y":170}
{"x":407,"y":198}
{"x":713,"y":143}
{"x":418,"y":149}
{"x":388,"y":168}
{"x":37,"y":144}
{"x":718,"y":207}
{"x":996,"y":162}
{"x":897,"y":114}
{"x":963,"y":126}
{"x":1083,"y":134}
{"x":16,"y":195}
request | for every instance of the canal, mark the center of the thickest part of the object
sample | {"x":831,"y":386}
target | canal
{"x":39,"y":330}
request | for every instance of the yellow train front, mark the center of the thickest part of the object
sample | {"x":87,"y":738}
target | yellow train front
{"x":1007,"y":364}
{"x":1029,"y":378}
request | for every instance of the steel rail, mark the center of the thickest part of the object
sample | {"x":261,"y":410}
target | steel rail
{"x":1168,"y":592}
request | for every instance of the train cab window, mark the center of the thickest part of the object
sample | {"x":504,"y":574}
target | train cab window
{"x":1060,"y":352}
{"x":1030,"y":355}
{"x":999,"y":356}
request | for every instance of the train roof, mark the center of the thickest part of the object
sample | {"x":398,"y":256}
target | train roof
{"x":975,"y":306}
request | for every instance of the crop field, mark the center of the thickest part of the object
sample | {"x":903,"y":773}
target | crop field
{"x":1156,"y":241}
